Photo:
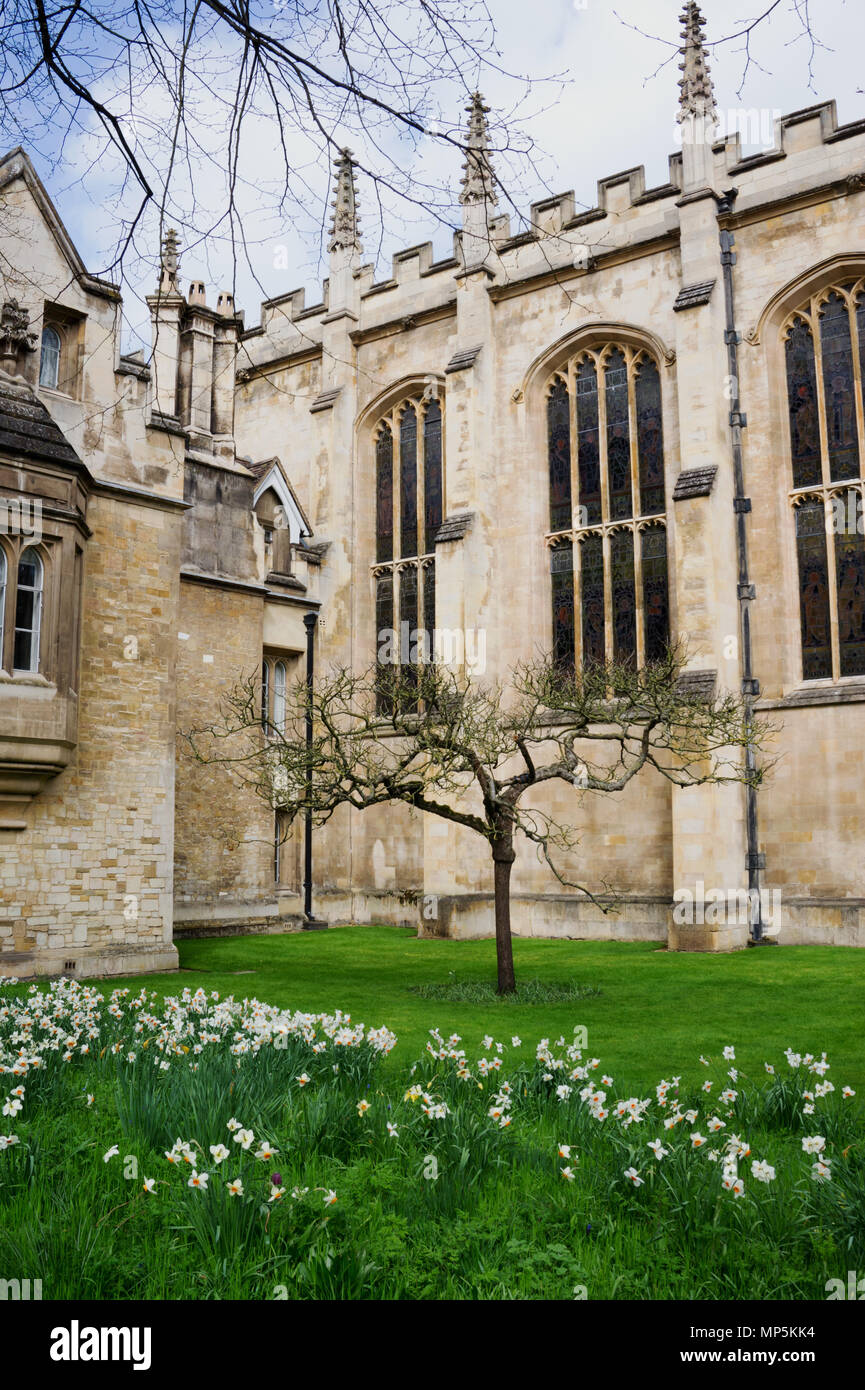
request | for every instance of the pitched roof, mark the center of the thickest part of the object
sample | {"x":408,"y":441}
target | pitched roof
{"x":26,"y":428}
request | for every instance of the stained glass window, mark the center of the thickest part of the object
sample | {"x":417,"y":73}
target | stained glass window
{"x":850,"y":577}
{"x":562,"y":571}
{"x":588,"y":451}
{"x":408,"y":482}
{"x":624,"y":598}
{"x":656,"y":603}
{"x":802,"y":402}
{"x":408,"y":625}
{"x":841,"y":430}
{"x":650,"y":439}
{"x":618,"y":442}
{"x":429,"y":610}
{"x":559,"y":454}
{"x":592,"y":599}
{"x":813,"y":591}
{"x":432,"y":474}
{"x":384,"y":638}
{"x":384,"y":495}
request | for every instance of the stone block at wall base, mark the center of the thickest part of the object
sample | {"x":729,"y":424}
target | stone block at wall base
{"x":471,"y":916}
{"x":707,"y":938}
{"x":90,"y":962}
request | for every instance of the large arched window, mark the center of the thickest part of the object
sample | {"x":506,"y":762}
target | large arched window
{"x":49,"y":362}
{"x":28,"y":611}
{"x":409,"y":497}
{"x":607,"y":536}
{"x":824,"y":344}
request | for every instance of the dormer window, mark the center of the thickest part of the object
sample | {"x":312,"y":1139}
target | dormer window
{"x":28,"y":611}
{"x":49,"y":362}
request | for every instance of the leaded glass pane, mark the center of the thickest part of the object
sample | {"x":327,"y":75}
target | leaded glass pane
{"x":559,"y":455}
{"x":624,"y":600}
{"x":618,"y":442}
{"x":592,"y":598}
{"x":650,"y":439}
{"x":850,"y":568}
{"x":562,"y":571}
{"x":429,"y":610}
{"x":841,"y":429}
{"x":384,"y":495}
{"x":408,"y":482}
{"x":813,"y":591}
{"x":802,"y":404}
{"x":408,"y":628}
{"x":588,"y":451}
{"x":656,"y":603}
{"x":384,"y":639}
{"x":433,"y":498}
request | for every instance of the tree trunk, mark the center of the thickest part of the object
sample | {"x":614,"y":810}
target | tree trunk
{"x":503,"y":858}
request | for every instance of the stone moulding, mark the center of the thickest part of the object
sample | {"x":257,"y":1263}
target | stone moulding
{"x":690,"y":296}
{"x":695,"y":482}
{"x":454,"y":528}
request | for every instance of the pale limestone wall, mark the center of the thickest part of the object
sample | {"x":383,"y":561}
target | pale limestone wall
{"x":224,"y":838}
{"x":793,"y":211}
{"x":90,"y":879}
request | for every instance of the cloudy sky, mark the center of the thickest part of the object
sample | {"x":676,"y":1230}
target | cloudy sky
{"x":608,"y":102}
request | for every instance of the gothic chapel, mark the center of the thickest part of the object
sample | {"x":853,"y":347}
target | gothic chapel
{"x":626,"y":424}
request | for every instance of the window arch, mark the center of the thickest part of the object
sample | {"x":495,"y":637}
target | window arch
{"x":279,"y":697}
{"x":824,"y":348}
{"x":49,"y":361}
{"x":28,"y":610}
{"x":607,"y":532}
{"x":409,"y":503}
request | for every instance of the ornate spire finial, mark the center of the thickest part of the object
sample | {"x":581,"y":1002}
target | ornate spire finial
{"x":697,"y":92}
{"x":479,"y":184}
{"x":344,"y":231}
{"x":169,"y":264}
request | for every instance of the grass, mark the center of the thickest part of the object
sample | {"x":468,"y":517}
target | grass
{"x":657,"y":1010}
{"x":499,"y":1220}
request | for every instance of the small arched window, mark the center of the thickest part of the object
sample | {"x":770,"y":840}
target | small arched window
{"x":265,"y":695}
{"x":28,"y":611}
{"x":607,"y":535}
{"x":49,"y":362}
{"x":279,"y":697}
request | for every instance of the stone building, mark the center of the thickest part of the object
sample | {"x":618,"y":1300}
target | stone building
{"x":636,"y":421}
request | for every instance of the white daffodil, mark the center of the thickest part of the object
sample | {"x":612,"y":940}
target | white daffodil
{"x":149,"y":1184}
{"x":266,"y":1151}
{"x":657,"y":1148}
{"x":633,"y":1175}
{"x":392,"y":1130}
{"x":198,"y":1180}
{"x":220,"y":1153}
{"x":244,"y":1138}
{"x":568,"y":1174}
{"x":235,"y":1188}
{"x":814,"y":1144}
{"x":763,"y":1172}
{"x":112,"y":1153}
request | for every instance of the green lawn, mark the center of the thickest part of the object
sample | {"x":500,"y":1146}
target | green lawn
{"x":657,"y":1011}
{"x":490,"y":1175}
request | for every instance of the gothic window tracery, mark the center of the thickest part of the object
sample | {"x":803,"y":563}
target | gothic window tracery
{"x":409,"y":513}
{"x":824,"y":345}
{"x":607,"y":536}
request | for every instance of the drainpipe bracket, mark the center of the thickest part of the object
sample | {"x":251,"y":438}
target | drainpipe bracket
{"x":747,"y":591}
{"x":755,"y":861}
{"x":738,"y":417}
{"x":741,"y":504}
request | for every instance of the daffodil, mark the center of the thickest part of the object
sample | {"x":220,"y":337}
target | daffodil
{"x":198,"y":1180}
{"x":634,"y":1177}
{"x":220,"y":1153}
{"x":112,"y":1153}
{"x":149,"y":1184}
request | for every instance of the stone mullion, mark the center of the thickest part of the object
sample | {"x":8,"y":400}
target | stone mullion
{"x":638,"y":597}
{"x":636,"y":501}
{"x":817,"y":338}
{"x":832,"y":576}
{"x":600,"y":365}
{"x":857,"y":381}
